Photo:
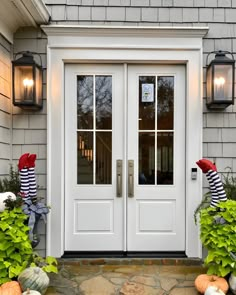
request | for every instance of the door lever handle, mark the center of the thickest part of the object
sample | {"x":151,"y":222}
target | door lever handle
{"x":119,"y":178}
{"x":130,"y":178}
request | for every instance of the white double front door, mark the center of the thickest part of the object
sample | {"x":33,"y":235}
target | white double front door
{"x":124,"y":157}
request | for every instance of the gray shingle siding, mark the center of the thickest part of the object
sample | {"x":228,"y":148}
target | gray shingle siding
{"x":5,"y":106}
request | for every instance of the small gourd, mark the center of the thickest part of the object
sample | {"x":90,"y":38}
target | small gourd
{"x":31,"y":292}
{"x":212,"y":290}
{"x":10,"y":288}
{"x":204,"y":281}
{"x":34,"y":278}
{"x":3,"y":197}
{"x":232,"y":283}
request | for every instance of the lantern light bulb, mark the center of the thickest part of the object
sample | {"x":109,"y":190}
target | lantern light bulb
{"x":219,"y":81}
{"x":28,"y":82}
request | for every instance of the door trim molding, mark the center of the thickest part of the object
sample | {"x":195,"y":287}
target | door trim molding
{"x":79,"y":44}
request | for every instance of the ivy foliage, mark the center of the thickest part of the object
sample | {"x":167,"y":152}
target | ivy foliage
{"x":218,"y":228}
{"x":15,"y":247}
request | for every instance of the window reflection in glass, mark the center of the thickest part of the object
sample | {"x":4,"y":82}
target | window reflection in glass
{"x":165,"y":103}
{"x":103,"y":157}
{"x":147,"y":102}
{"x":103,"y":94}
{"x":147,"y":158}
{"x":84,"y":102}
{"x":85,"y":157}
{"x":165,"y":158}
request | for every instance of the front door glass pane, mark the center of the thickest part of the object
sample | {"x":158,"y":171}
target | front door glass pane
{"x":85,"y":157}
{"x":146,"y":102}
{"x":156,"y":113}
{"x":103,"y":89}
{"x":85,"y":102}
{"x":165,"y":158}
{"x":147,"y":158}
{"x":165,"y":103}
{"x":94,"y":129}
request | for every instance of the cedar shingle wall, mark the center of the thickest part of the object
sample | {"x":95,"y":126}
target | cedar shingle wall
{"x":5,"y":106}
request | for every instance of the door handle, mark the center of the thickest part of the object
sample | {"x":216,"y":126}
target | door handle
{"x":119,"y":178}
{"x":131,"y":178}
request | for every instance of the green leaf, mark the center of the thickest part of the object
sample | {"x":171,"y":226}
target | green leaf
{"x":16,"y":256}
{"x":14,"y":271}
{"x":4,"y":245}
{"x":51,"y":260}
{"x":50,"y":268}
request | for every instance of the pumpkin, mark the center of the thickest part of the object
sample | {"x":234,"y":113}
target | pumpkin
{"x":3,"y":197}
{"x":34,"y":278}
{"x":31,"y":292}
{"x":203,"y":281}
{"x":212,"y":290}
{"x":232,"y":283}
{"x":10,"y":288}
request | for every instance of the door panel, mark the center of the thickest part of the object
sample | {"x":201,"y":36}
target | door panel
{"x":124,"y":158}
{"x":156,"y":124}
{"x":94,"y":141}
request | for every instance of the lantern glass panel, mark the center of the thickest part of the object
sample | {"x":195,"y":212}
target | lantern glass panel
{"x":23,"y":83}
{"x":223,"y":82}
{"x":38,"y":79}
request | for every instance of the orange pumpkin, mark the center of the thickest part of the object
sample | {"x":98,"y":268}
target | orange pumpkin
{"x":10,"y":288}
{"x":203,"y":281}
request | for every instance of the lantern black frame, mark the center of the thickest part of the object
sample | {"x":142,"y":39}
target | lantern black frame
{"x":27,"y":60}
{"x":220,"y":59}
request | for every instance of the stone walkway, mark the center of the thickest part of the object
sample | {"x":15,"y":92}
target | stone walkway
{"x":125,"y":277}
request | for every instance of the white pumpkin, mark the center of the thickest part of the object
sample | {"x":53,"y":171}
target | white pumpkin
{"x":213,"y":290}
{"x":232,"y":283}
{"x":31,"y":292}
{"x":3,"y":197}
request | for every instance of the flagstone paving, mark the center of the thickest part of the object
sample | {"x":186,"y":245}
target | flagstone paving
{"x":125,"y":277}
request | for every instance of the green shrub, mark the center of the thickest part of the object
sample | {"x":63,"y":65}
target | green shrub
{"x":15,"y":247}
{"x":218,"y":228}
{"x":11,"y":183}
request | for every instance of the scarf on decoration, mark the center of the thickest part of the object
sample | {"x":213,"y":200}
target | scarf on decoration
{"x":34,"y":211}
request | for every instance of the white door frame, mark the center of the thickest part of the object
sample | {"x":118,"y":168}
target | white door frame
{"x":78,"y":44}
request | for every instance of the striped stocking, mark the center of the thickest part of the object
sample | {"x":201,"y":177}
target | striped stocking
{"x":24,"y":183}
{"x":218,"y":185}
{"x":32,"y":179}
{"x":214,"y":195}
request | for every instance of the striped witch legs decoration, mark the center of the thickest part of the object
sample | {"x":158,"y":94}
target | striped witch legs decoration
{"x":26,"y":167}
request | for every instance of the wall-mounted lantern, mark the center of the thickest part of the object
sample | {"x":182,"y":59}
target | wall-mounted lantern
{"x":27,"y":81}
{"x":220,"y":80}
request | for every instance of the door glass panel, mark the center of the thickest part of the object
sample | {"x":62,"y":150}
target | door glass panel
{"x":165,"y":103}
{"x":103,"y":157}
{"x":84,"y":157}
{"x":94,"y":113}
{"x":103,"y":90}
{"x":165,"y":158}
{"x":156,"y":147}
{"x":147,"y":158}
{"x":84,"y":102}
{"x":146,"y":102}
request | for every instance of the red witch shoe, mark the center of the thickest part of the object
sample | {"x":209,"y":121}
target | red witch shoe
{"x":31,"y":160}
{"x":23,"y":161}
{"x":206,"y":165}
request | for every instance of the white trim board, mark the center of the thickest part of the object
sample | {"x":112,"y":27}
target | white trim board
{"x":77,"y":44}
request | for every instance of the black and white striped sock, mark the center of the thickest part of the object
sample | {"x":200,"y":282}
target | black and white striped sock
{"x":24,"y":183}
{"x":32,"y":185}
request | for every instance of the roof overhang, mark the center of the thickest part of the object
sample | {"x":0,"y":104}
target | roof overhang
{"x":21,"y":13}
